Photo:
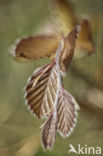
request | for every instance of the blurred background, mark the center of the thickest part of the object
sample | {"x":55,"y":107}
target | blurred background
{"x":19,"y":129}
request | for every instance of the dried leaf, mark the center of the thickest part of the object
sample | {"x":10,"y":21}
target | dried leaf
{"x":85,"y":38}
{"x":65,"y":15}
{"x":63,"y":20}
{"x":31,"y":48}
{"x":67,"y":18}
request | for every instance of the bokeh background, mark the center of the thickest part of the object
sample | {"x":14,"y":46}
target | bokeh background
{"x":19,"y":130}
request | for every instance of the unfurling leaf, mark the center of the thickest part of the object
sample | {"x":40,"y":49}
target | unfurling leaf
{"x":41,"y":90}
{"x":66,"y":113}
{"x":67,"y":53}
{"x":62,"y":119}
{"x":49,"y":131}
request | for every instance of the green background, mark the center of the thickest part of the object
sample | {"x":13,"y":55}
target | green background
{"x":19,"y":130}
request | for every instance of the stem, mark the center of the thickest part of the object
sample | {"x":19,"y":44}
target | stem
{"x":59,"y":77}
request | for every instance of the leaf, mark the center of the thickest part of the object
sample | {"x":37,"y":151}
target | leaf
{"x":63,"y":19}
{"x":85,"y":37}
{"x":41,"y":90}
{"x":37,"y":47}
{"x":68,"y":49}
{"x":65,"y":15}
{"x":64,"y":12}
{"x":66,"y":113}
{"x":62,"y":118}
{"x":49,"y":131}
{"x":62,"y":22}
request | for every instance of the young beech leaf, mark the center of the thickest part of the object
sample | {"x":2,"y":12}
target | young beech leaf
{"x":49,"y":131}
{"x":66,"y":113}
{"x":41,"y":90}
